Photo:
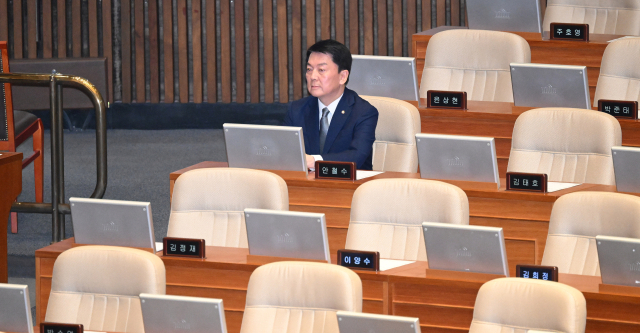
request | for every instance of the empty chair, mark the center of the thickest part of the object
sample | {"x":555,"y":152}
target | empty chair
{"x":620,"y":71}
{"x":209,"y":203}
{"x":577,"y":218}
{"x":387,"y":215}
{"x":523,"y":305}
{"x":395,"y":145}
{"x":614,"y":17}
{"x":99,"y":287}
{"x":569,"y":145}
{"x":475,"y":61}
{"x":292,"y":296}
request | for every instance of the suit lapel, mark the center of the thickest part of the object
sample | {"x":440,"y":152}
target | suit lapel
{"x":312,"y":125}
{"x":339,"y":118}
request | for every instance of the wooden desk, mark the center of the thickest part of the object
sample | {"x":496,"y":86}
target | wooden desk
{"x":542,"y":51}
{"x":524,"y":216}
{"x":10,"y":188}
{"x":442,"y":300}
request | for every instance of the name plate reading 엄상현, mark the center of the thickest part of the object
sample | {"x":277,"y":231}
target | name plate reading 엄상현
{"x":549,"y":273}
{"x":570,"y":31}
{"x":534,"y":182}
{"x":619,"y":109}
{"x":61,"y":328}
{"x":335,"y":170}
{"x":364,"y":260}
{"x":183,"y":247}
{"x":447,"y":99}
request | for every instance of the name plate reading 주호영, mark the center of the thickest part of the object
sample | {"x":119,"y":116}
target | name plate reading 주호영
{"x":619,"y":109}
{"x":447,"y":99}
{"x":335,"y":170}
{"x":534,"y":182}
{"x":61,"y":328}
{"x":364,"y":260}
{"x":570,"y":31}
{"x":549,"y":273}
{"x":183,"y":247}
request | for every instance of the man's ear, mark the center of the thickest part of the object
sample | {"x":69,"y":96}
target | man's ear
{"x":344,"y":75}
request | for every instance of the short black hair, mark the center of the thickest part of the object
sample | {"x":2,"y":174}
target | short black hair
{"x":339,"y":53}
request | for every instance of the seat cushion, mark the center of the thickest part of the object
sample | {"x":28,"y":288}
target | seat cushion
{"x":22,"y":120}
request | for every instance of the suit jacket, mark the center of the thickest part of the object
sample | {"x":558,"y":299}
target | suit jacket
{"x":351,"y":134}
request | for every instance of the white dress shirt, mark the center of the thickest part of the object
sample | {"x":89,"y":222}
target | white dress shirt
{"x":332,"y":109}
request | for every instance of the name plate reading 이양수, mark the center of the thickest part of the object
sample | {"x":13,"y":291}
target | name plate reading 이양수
{"x":534,"y":182}
{"x":335,"y":170}
{"x":447,"y":99}
{"x":183,"y":247}
{"x":61,"y":328}
{"x":548,"y":273}
{"x":570,"y":31}
{"x":364,"y":260}
{"x":619,"y":109}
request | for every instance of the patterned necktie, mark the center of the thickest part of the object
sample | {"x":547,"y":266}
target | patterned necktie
{"x":324,"y":127}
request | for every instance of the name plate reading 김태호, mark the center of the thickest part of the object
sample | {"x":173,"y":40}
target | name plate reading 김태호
{"x":447,"y":99}
{"x":183,"y":247}
{"x":364,"y":260}
{"x":570,"y":31}
{"x":61,"y":328}
{"x":619,"y":109}
{"x":535,"y":182}
{"x":335,"y":170}
{"x":548,"y":273}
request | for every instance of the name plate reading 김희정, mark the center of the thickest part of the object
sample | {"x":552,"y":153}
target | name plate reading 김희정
{"x":61,"y":328}
{"x":335,"y":170}
{"x":570,"y":31}
{"x":183,"y":247}
{"x":364,"y":260}
{"x":549,"y":273}
{"x":447,"y":99}
{"x":535,"y":182}
{"x":619,"y":109}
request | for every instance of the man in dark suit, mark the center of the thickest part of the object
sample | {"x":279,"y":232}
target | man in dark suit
{"x":337,"y":124}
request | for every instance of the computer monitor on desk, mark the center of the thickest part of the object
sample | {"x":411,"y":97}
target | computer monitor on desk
{"x":505,"y":15}
{"x":540,"y":85}
{"x":15,"y":311}
{"x":619,"y":260}
{"x":265,"y":147}
{"x":384,"y":76}
{"x":178,"y":314}
{"x":356,"y":322}
{"x":625,"y":168}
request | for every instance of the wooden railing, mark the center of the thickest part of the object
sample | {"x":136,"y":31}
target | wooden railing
{"x":213,"y":50}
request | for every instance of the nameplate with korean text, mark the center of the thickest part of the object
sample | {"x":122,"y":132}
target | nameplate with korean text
{"x":570,"y":31}
{"x":61,"y":328}
{"x":364,"y":260}
{"x":335,"y":170}
{"x":534,"y":182}
{"x":183,"y":247}
{"x":619,"y":109}
{"x":547,"y":273}
{"x":447,"y":99}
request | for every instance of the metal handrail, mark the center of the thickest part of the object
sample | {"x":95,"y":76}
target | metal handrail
{"x":55,"y":81}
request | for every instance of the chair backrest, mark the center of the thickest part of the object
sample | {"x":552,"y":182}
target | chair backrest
{"x":577,"y":218}
{"x":293,"y":296}
{"x":569,"y":145}
{"x":620,"y":71}
{"x":210,"y":203}
{"x":395,"y":145}
{"x":520,"y":305}
{"x":7,"y":129}
{"x":475,"y":61}
{"x":615,"y":17}
{"x":99,"y":287}
{"x":387,"y":215}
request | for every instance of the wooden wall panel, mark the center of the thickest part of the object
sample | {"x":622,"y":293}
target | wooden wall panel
{"x":283,"y":63}
{"x":225,"y":50}
{"x":93,"y":28}
{"x":254,"y":56}
{"x":239,"y":45}
{"x":296,"y":29}
{"x":4,"y":20}
{"x":268,"y":51}
{"x":153,"y":79}
{"x":212,"y":86}
{"x":140,"y":51}
{"x":168,"y":51}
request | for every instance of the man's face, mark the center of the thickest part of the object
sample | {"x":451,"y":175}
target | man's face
{"x":323,"y":77}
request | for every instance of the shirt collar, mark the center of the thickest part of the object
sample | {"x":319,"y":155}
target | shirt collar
{"x":332,"y":107}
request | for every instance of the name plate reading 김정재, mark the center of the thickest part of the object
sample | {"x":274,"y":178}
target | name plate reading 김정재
{"x":364,"y":260}
{"x":534,"y":182}
{"x":549,"y":273}
{"x":61,"y":328}
{"x":619,"y":109}
{"x":183,"y":247}
{"x":570,"y":31}
{"x":335,"y":170}
{"x":447,"y":99}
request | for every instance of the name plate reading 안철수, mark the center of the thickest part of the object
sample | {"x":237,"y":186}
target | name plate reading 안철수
{"x":183,"y":247}
{"x":447,"y":99}
{"x":619,"y":109}
{"x":335,"y":170}
{"x":61,"y":328}
{"x":534,"y":182}
{"x":570,"y":31}
{"x":364,"y":260}
{"x":548,"y":273}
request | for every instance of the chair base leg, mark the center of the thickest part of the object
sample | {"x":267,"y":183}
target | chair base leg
{"x":14,"y":222}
